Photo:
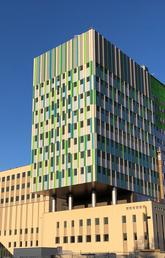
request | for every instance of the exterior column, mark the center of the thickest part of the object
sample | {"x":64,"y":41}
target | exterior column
{"x":53,"y":203}
{"x":114,"y":195}
{"x":70,"y":201}
{"x":93,"y":198}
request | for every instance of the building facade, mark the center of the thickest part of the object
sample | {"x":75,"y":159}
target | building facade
{"x":98,"y":137}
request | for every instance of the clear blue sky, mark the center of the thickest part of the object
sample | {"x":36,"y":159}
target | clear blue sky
{"x":30,"y":27}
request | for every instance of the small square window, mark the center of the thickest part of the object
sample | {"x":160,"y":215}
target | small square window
{"x":57,"y":240}
{"x":72,"y":239}
{"x":105,"y":220}
{"x":125,"y":236}
{"x":88,"y":238}
{"x":79,"y":239}
{"x":106,"y":237}
{"x":88,"y":222}
{"x":123,"y":219}
{"x":97,"y":221}
{"x":65,"y":239}
{"x":135,"y":236}
{"x":134,"y":218}
{"x":98,"y":239}
{"x":80,"y":222}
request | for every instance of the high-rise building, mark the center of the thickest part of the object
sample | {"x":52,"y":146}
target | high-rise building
{"x":94,"y":119}
{"x":98,"y":156}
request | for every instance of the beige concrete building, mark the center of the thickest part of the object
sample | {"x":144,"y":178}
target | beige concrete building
{"x":20,"y":210}
{"x":27,"y":220}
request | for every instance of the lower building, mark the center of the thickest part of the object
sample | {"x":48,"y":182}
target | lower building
{"x":29,"y":220}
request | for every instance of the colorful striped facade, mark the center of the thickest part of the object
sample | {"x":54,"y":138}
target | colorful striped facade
{"x":93,"y":118}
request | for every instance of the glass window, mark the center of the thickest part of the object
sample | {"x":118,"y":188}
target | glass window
{"x":98,"y":239}
{"x":105,"y":220}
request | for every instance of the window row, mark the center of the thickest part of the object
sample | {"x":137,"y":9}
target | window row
{"x":19,"y":198}
{"x":21,"y":244}
{"x":12,"y":177}
{"x":88,"y":222}
{"x":21,"y":231}
{"x":80,"y":239}
{"x":13,"y":187}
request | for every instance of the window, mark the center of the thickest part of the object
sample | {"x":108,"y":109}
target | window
{"x":97,"y":221}
{"x":58,"y":224}
{"x":57,"y":240}
{"x":144,"y":217}
{"x":106,"y":237}
{"x":88,"y":222}
{"x":79,"y":239}
{"x":134,"y":218}
{"x":80,"y":222}
{"x":125,"y":236}
{"x":89,"y":153}
{"x":82,"y":170}
{"x":88,"y":121}
{"x":72,"y":223}
{"x":135,"y":235}
{"x":72,"y":239}
{"x":65,"y":224}
{"x":33,"y":195}
{"x":65,"y":239}
{"x":123,"y":219}
{"x":105,"y":220}
{"x":97,"y":238}
{"x":88,"y":238}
